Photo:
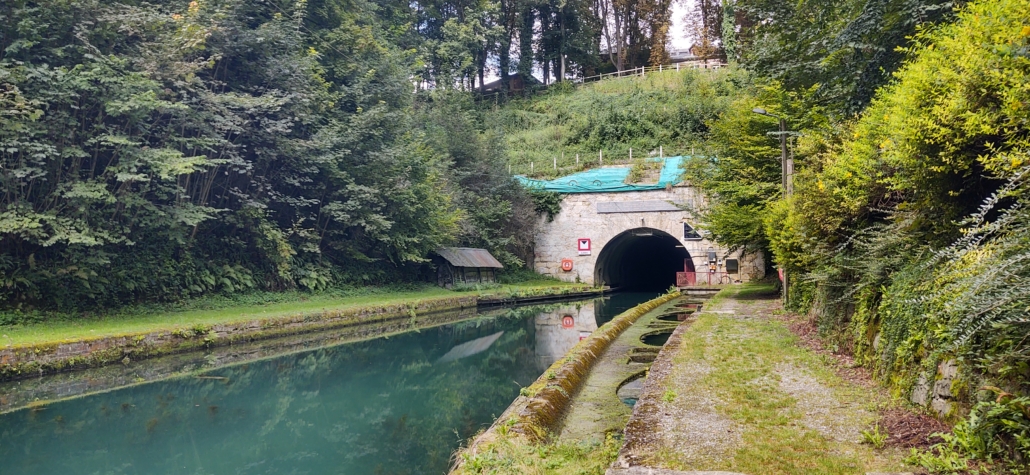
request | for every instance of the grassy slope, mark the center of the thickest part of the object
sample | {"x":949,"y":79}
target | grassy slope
{"x":215,"y":310}
{"x":667,"y":109}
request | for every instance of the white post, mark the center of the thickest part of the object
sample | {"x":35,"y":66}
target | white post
{"x":691,"y":151}
{"x":530,"y":167}
{"x":661,"y":153}
{"x":509,"y":168}
{"x":555,"y":159}
{"x":631,"y":154}
{"x":577,"y":159}
{"x":659,"y":68}
{"x":677,"y":67}
{"x":600,"y":157}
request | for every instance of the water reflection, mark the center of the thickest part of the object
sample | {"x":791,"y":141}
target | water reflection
{"x":559,"y":329}
{"x":608,"y":308}
{"x":397,"y":405}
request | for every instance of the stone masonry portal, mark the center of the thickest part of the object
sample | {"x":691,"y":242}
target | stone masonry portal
{"x":635,"y":239}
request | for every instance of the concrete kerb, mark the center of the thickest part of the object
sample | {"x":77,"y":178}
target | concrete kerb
{"x":539,"y":410}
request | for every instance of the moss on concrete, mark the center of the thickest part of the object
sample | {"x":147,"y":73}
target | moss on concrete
{"x":597,"y":410}
{"x":32,"y":360}
{"x":537,"y":413}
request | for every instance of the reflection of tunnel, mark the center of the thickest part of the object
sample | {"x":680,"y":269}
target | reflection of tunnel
{"x":641,"y":259}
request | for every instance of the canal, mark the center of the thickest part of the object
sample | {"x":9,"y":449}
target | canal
{"x":392,"y":405}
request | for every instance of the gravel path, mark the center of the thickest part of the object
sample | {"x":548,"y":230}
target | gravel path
{"x":816,"y":418}
{"x":688,"y":427}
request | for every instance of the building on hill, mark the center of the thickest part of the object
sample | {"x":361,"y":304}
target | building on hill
{"x":465,"y":265}
{"x":516,"y":85}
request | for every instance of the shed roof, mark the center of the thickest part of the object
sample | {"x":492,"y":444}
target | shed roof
{"x":468,"y":257}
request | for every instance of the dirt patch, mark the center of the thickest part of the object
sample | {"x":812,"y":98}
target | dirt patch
{"x":822,"y":411}
{"x":907,"y":429}
{"x":844,"y":363}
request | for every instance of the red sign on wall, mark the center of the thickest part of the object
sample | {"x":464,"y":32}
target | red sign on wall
{"x":566,"y":265}
{"x":567,"y":321}
{"x":583,"y":246}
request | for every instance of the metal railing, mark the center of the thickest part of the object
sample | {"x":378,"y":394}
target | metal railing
{"x":644,"y":70}
{"x":691,"y":279}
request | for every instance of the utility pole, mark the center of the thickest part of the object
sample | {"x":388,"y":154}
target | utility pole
{"x":786,"y":178}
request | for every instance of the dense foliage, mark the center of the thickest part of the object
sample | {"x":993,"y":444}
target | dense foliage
{"x":844,"y":49}
{"x":162,"y":151}
{"x":908,"y":225}
{"x":930,"y":184}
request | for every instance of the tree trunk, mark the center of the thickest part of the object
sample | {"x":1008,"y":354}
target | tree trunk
{"x":526,"y":44}
{"x":505,"y":63}
{"x":482,"y":73}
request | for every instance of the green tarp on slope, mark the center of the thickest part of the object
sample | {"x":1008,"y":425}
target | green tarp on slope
{"x":605,"y":180}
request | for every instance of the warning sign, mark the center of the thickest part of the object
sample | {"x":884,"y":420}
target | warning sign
{"x":584,"y":246}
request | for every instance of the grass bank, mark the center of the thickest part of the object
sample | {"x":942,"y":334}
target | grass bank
{"x":216,"y":310}
{"x":513,"y":454}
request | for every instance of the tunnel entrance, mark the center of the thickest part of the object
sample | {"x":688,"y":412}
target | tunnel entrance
{"x":641,"y":259}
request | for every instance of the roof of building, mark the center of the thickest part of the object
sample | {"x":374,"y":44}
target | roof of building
{"x":495,"y":85}
{"x":468,"y":257}
{"x":606,"y":180}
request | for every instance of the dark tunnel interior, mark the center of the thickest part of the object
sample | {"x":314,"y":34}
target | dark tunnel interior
{"x":641,"y":259}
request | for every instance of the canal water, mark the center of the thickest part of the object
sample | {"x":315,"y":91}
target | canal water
{"x":393,"y":405}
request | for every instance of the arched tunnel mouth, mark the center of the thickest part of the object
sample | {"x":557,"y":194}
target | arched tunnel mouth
{"x":642,"y":259}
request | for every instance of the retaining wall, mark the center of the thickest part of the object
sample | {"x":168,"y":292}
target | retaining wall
{"x":19,"y":361}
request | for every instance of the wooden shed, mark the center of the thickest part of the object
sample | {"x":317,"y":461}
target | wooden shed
{"x":465,"y":265}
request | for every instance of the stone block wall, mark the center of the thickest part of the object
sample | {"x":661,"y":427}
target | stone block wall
{"x":579,"y":218}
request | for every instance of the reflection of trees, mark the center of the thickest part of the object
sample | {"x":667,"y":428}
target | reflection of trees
{"x":371,"y":407}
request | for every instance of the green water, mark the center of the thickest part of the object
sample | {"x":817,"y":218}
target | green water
{"x":397,"y":405}
{"x":609,"y":307}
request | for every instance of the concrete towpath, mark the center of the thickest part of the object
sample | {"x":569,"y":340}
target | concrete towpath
{"x":733,"y":392}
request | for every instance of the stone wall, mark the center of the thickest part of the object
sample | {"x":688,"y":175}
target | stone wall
{"x":937,"y":393}
{"x":19,"y":361}
{"x":579,"y":218}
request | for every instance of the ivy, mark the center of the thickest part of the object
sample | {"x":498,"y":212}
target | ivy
{"x":547,"y":202}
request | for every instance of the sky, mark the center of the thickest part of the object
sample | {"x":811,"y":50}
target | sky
{"x":678,"y":31}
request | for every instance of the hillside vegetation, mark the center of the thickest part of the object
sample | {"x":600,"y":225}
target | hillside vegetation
{"x":164,"y":151}
{"x":668,"y":112}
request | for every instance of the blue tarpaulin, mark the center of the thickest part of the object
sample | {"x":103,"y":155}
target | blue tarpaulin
{"x":605,"y":180}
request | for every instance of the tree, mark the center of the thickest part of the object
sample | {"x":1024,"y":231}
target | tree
{"x":847,"y":47}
